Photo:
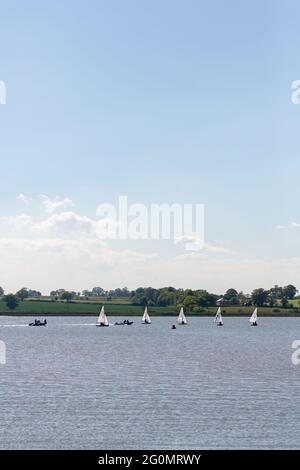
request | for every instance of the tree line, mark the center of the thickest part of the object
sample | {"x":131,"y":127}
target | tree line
{"x":191,"y":300}
{"x":197,"y":300}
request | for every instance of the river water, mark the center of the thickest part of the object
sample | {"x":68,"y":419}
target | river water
{"x":71,"y":385}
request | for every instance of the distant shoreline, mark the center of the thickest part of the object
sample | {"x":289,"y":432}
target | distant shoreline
{"x":281,"y":314}
{"x":82,"y":309}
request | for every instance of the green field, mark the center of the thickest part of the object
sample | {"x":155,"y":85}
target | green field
{"x":90,"y":300}
{"x":81,"y":308}
{"x":295,"y":302}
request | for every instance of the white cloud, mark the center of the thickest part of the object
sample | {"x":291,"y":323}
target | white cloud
{"x":52,"y":205}
{"x":196,"y":244}
{"x":196,"y":270}
{"x":24,"y":199}
{"x":49,"y":263}
{"x":215,"y":248}
{"x":191,"y":243}
{"x":73,"y":264}
{"x":64,"y":250}
{"x":65,"y":224}
{"x":16,"y":222}
{"x":292,"y":225}
{"x":192,"y":256}
{"x":70,"y":224}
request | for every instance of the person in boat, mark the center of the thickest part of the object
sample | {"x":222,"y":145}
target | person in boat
{"x":254,"y":323}
{"x":173,"y":327}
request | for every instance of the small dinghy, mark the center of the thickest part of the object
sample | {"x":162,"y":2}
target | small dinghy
{"x":102,"y":319}
{"x":122,"y":323}
{"x":218,"y":317}
{"x":181,"y":320}
{"x":253,"y":318}
{"x":38,"y":323}
{"x":146,"y":318}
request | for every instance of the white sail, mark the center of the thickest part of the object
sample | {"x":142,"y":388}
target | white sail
{"x":102,"y":319}
{"x":146,"y":318}
{"x":181,"y":317}
{"x":253,"y":318}
{"x":218,"y":317}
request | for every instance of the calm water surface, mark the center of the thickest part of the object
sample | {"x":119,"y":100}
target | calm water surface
{"x":72,"y":385}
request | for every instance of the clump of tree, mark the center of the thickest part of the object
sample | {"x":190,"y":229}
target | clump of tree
{"x":276,"y":296}
{"x":34,"y":293}
{"x":1,"y":292}
{"x":191,"y":300}
{"x":195,"y":300}
{"x":25,"y":293}
{"x":22,"y":294}
{"x":11,"y":301}
{"x":94,"y":292}
{"x":232,"y":296}
{"x":259,"y":297}
{"x":150,"y":296}
{"x":62,"y":294}
{"x":68,"y":296}
{"x":113,"y":293}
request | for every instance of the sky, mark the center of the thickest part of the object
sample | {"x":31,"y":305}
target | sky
{"x":164,"y":102}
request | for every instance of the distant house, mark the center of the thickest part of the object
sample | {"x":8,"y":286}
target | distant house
{"x":221,"y":302}
{"x":34,"y":293}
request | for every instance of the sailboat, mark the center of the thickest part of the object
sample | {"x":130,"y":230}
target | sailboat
{"x":146,"y":318}
{"x":102,"y":319}
{"x":218,"y":317}
{"x":181,"y":317}
{"x":253,"y":318}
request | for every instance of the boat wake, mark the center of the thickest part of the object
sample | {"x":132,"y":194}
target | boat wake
{"x":13,"y":326}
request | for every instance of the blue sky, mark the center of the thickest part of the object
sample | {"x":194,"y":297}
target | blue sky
{"x":164,"y":101}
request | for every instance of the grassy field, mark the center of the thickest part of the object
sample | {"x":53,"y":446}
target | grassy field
{"x":294,"y":302}
{"x":90,"y":300}
{"x":48,"y":308}
{"x":78,"y":308}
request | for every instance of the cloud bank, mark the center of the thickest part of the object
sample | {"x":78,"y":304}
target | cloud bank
{"x":64,"y":249}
